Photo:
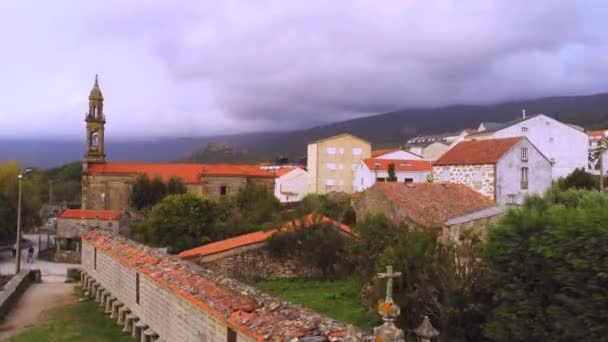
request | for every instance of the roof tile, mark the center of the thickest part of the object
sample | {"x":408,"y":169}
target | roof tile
{"x":89,"y":214}
{"x":475,"y":152}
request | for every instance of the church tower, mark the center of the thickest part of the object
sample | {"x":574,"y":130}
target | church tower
{"x":95,"y":119}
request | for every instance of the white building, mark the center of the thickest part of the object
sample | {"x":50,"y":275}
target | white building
{"x":372,"y":170}
{"x":504,"y":170}
{"x":291,"y":184}
{"x":395,"y":153}
{"x":566,"y":146}
{"x":594,"y":140}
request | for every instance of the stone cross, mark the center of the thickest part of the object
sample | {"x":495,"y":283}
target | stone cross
{"x":389,"y":274}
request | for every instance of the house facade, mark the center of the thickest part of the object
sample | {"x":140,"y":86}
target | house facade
{"x":372,"y":170}
{"x":566,"y":146}
{"x":332,"y":162}
{"x":503,"y":170}
{"x":291,"y":184}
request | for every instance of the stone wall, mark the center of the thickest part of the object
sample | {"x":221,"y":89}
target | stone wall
{"x":480,"y":178}
{"x":257,"y":263}
{"x":212,"y":185}
{"x":14,"y":288}
{"x":180,"y":301}
{"x":73,"y":228}
{"x":453,"y":233}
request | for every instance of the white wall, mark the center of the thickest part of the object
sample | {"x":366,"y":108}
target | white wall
{"x":508,"y":174}
{"x":567,"y":146}
{"x":365,"y":178}
{"x":295,"y":181}
{"x":400,"y":155}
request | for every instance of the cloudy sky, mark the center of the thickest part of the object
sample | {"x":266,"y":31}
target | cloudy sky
{"x":191,"y":67}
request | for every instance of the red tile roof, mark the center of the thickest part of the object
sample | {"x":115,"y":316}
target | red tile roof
{"x":189,"y":173}
{"x":239,"y":306}
{"x":400,"y":165}
{"x":257,"y":237}
{"x":378,"y":153}
{"x":596,"y":135}
{"x":235,"y":170}
{"x":89,"y":214}
{"x":431,"y":204}
{"x":475,"y":152}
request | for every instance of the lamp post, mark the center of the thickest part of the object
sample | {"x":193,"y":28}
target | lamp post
{"x":18,"y":244}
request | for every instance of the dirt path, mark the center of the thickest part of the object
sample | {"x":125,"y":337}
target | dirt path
{"x":37,"y":298}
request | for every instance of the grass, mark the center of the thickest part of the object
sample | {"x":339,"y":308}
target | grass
{"x":74,"y":323}
{"x":338,"y":299}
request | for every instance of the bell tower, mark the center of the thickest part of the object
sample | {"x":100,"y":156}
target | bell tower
{"x":95,"y":119}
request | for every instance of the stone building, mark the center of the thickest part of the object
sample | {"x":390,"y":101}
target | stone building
{"x":421,"y":205}
{"x":245,"y":256}
{"x":332,"y":162}
{"x":159,"y":297}
{"x":503,"y":170}
{"x":107,"y":185}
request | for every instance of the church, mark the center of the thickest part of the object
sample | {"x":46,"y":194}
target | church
{"x":107,"y":185}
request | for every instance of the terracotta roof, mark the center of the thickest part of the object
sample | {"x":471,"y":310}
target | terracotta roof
{"x":431,"y":204}
{"x":235,"y":170}
{"x":239,"y":306}
{"x":475,"y":152}
{"x":89,"y":214}
{"x":257,"y":237}
{"x":189,"y":173}
{"x":378,"y":153}
{"x":400,"y":165}
{"x":596,"y":135}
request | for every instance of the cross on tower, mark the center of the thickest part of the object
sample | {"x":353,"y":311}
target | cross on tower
{"x":389,"y":274}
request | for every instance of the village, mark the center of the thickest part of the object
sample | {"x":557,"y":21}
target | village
{"x":183,"y":252}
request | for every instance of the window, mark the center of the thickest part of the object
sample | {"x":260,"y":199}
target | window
{"x":341,"y":150}
{"x":330,"y":182}
{"x":408,"y":180}
{"x":230,"y":335}
{"x":95,"y":258}
{"x":331,"y":150}
{"x":223,"y":190}
{"x":357,"y":151}
{"x":551,"y":139}
{"x":524,"y":178}
{"x":511,"y":199}
{"x":331,"y":166}
{"x":137,"y":288}
{"x":524,"y":154}
{"x":341,"y":166}
{"x":524,"y":129}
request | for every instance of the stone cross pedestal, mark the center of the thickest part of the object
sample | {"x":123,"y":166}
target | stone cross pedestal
{"x":388,"y":332}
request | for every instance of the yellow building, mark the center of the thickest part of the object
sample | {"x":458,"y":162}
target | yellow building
{"x":332,"y":163}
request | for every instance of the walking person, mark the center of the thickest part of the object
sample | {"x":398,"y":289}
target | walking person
{"x":30,"y":255}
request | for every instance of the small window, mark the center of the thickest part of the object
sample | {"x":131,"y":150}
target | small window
{"x":524,"y":129}
{"x":341,"y":150}
{"x":341,"y":166}
{"x":223,"y":190}
{"x":524,"y":154}
{"x":551,"y":139}
{"x":331,"y":166}
{"x":357,"y":151}
{"x":408,"y":180}
{"x":230,"y":335}
{"x":524,"y":178}
{"x":510,"y":199}
{"x":331,"y":150}
{"x":137,"y":288}
{"x":330,"y":181}
{"x":95,"y":258}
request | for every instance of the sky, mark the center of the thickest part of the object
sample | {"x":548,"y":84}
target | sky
{"x":195,"y":68}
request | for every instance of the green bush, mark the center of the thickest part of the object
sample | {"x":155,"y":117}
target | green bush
{"x":548,"y":267}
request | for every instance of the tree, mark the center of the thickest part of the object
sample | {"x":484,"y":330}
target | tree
{"x":175,"y":186}
{"x":140,"y":194}
{"x":547,"y":267}
{"x":391,"y":173}
{"x":179,"y":222}
{"x":158,"y":190}
{"x":578,"y":179}
{"x":257,"y":206}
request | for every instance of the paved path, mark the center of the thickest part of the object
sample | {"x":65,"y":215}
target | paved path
{"x":51,"y":271}
{"x":30,"y":307}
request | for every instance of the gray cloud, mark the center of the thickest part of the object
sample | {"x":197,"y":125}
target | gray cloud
{"x":211,"y":67}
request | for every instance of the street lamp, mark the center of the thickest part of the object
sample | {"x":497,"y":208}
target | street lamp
{"x":18,"y":244}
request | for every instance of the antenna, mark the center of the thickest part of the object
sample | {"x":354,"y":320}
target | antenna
{"x":523,"y":113}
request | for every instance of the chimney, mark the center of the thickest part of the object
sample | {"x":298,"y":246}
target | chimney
{"x":523,"y":113}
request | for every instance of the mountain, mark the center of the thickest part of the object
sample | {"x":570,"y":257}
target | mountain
{"x":589,"y":111}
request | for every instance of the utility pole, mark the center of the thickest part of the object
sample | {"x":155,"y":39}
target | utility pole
{"x":601,"y":171}
{"x":18,"y":244}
